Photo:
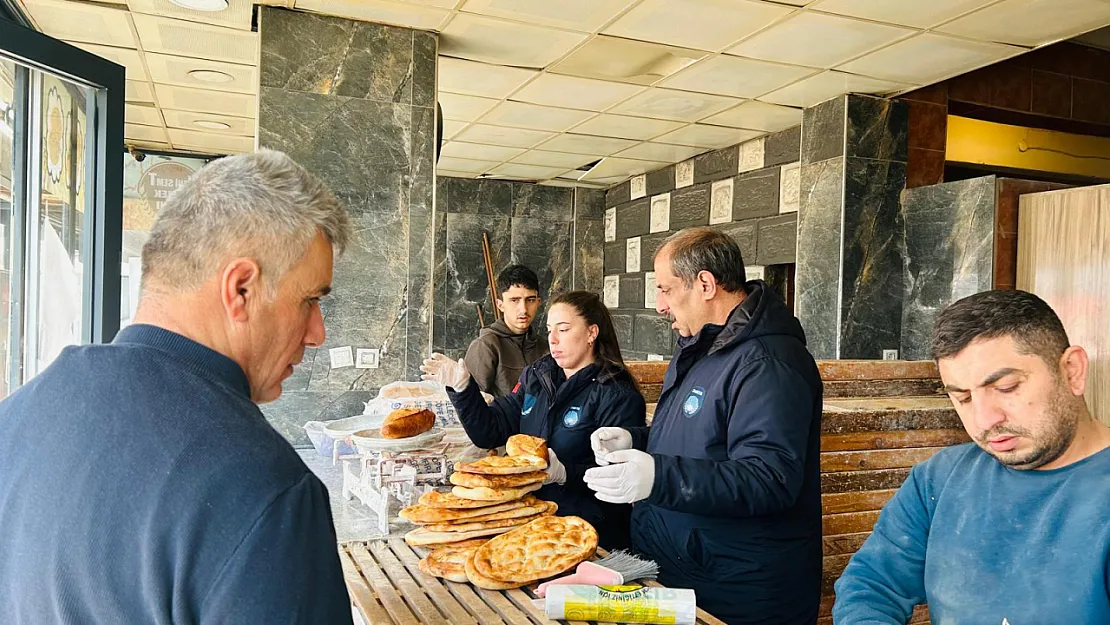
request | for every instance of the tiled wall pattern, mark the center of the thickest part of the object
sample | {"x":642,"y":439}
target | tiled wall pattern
{"x":556,"y":231}
{"x":750,"y":191}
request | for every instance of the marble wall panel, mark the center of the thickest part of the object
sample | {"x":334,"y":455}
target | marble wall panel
{"x":783,"y":147}
{"x":467,"y":283}
{"x":589,"y":256}
{"x":823,"y":131}
{"x":550,"y":203}
{"x":877,"y":128}
{"x":481,"y":197}
{"x":820,"y":234}
{"x":589,"y":203}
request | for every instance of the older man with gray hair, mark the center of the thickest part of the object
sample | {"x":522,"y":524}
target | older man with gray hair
{"x":139,"y":482}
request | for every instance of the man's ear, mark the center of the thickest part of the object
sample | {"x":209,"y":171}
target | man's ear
{"x":1075,"y":364}
{"x":240,"y":288}
{"x":500,"y":304}
{"x":706,"y":284}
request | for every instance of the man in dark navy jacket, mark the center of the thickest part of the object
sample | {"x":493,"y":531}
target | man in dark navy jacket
{"x":727,"y":477}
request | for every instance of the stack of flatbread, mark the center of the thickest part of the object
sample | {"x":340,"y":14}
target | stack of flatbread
{"x":544,"y":548}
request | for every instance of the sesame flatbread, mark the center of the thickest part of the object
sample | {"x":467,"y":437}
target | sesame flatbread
{"x":503,"y":465}
{"x":474,"y":480}
{"x":421,"y":514}
{"x":436,"y":499}
{"x":543,"y":548}
{"x":498,"y":495}
{"x":483,"y":581}
{"x":448,"y":562}
{"x":471,"y":526}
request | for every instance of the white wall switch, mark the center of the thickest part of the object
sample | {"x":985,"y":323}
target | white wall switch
{"x":341,"y":357}
{"x":367,"y":358}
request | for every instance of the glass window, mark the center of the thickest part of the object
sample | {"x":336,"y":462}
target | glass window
{"x":7,"y":175}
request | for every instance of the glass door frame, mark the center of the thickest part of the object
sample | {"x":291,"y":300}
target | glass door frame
{"x":105,"y":112}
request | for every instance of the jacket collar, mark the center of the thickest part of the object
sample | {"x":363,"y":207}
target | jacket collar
{"x":202,"y":359}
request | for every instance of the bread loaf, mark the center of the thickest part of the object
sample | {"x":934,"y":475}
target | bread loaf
{"x":407,"y":422}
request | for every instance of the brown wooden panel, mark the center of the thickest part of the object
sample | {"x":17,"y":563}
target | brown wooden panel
{"x":920,"y":615}
{"x":844,"y":544}
{"x":647,"y":372}
{"x":881,"y":388}
{"x":858,"y":481}
{"x":839,"y":503}
{"x":849,"y":522}
{"x":651,"y":392}
{"x":877,"y":369}
{"x":831,"y":568}
{"x":824,"y":612}
{"x":838,"y":461}
{"x":893,"y":440}
{"x":881,"y":420}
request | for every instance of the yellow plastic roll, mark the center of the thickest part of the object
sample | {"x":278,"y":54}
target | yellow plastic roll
{"x":622,"y":604}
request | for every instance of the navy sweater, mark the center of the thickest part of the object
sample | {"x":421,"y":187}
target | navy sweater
{"x":140,"y":484}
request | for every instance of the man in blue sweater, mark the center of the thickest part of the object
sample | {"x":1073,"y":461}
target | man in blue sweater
{"x":1012,"y":529}
{"x":139,"y":482}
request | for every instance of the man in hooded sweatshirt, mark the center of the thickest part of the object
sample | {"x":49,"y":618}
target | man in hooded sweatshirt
{"x":502,"y":351}
{"x":726,"y":481}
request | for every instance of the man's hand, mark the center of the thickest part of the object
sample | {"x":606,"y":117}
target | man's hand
{"x":607,"y":440}
{"x":556,"y":472}
{"x":628,"y":479}
{"x":441,"y":369}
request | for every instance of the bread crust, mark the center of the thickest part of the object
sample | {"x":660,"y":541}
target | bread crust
{"x":407,"y":422}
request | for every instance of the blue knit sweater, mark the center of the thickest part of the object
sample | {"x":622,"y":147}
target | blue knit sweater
{"x":140,"y":484}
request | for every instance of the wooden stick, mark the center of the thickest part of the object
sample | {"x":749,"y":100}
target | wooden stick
{"x":487,"y":256}
{"x":481,"y":318}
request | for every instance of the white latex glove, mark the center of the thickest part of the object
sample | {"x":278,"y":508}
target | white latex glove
{"x":452,"y":373}
{"x":628,"y":479}
{"x":607,"y":440}
{"x":556,"y":472}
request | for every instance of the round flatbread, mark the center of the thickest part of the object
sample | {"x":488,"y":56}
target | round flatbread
{"x":483,"y":581}
{"x":497,"y":495}
{"x":470,"y":542}
{"x":448,"y":562}
{"x":421,"y":537}
{"x":525,"y":445}
{"x":473,"y":480}
{"x":543,"y":548}
{"x":470,"y":526}
{"x":436,"y":499}
{"x":421,"y":514}
{"x":503,"y":465}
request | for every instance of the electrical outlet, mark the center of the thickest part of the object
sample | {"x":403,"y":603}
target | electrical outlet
{"x":890,"y":354}
{"x":366,"y":358}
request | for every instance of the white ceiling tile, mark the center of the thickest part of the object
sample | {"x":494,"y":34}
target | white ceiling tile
{"x":475,"y":151}
{"x":829,"y":40}
{"x":624,"y":127}
{"x":928,"y":58}
{"x":705,"y":136}
{"x":734,"y":76}
{"x":610,"y":181}
{"x":145,"y":133}
{"x":481,"y":79}
{"x":1032,"y":22}
{"x":446,"y":173}
{"x":500,"y":135}
{"x":238,"y":13}
{"x":581,"y":15}
{"x":215,"y":143}
{"x":176,"y":70}
{"x":241,"y":126}
{"x":623,"y":167}
{"x":443,"y":4}
{"x":586,"y":144}
{"x":661,"y":152}
{"x":87,"y":23}
{"x":192,"y":39}
{"x":681,"y":106}
{"x":758,"y":116}
{"x":464,"y":165}
{"x":531,"y":172}
{"x":139,"y":91}
{"x":624,"y":60}
{"x":919,"y":14}
{"x":143,"y":115}
{"x":573,"y":92}
{"x":131,"y":60}
{"x":205,"y":101}
{"x":825,"y":85}
{"x":555,"y":159}
{"x":522,"y":115}
{"x":452,"y":127}
{"x":464,"y":108}
{"x":703,"y":24}
{"x":490,"y":40}
{"x":396,"y":13}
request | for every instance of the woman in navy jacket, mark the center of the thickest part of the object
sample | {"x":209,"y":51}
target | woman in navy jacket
{"x":563,"y":397}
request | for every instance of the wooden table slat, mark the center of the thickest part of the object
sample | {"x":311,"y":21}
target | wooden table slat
{"x":523,"y":600}
{"x":703,"y":617}
{"x":438,"y":589}
{"x":387,"y":594}
{"x":360,"y":591}
{"x":404,"y":584}
{"x":504,"y":607}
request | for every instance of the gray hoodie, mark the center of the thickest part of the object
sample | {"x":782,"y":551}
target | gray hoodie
{"x":497,"y":358}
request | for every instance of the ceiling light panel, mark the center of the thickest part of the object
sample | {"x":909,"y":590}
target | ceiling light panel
{"x":237,"y":14}
{"x":522,"y":115}
{"x":572,"y":92}
{"x":817,"y":40}
{"x":87,"y":23}
{"x":586,"y":144}
{"x":703,"y":24}
{"x":394,"y":13}
{"x":190,"y":39}
{"x":927,"y":58}
{"x":210,"y":142}
{"x":177,"y":70}
{"x":480,"y":79}
{"x":464,"y":165}
{"x":758,"y":116}
{"x":625,"y":127}
{"x":1031,"y":22}
{"x":145,"y":133}
{"x":624,"y":167}
{"x":206,"y":101}
{"x":531,"y":172}
{"x":921,"y":14}
{"x":186,"y":120}
{"x":490,"y":40}
{"x":734,"y":76}
{"x":139,"y":91}
{"x":661,"y":152}
{"x":500,"y":135}
{"x":623,"y":60}
{"x":478,"y":152}
{"x":581,"y":15}
{"x":817,"y":89}
{"x":705,"y":136}
{"x":555,"y":159}
{"x":465,"y":108}
{"x":682,"y":106}
{"x":144,"y":115}
{"x":131,"y":60}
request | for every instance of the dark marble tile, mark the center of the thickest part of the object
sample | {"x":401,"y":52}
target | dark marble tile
{"x":924,"y":167}
{"x":783,"y":147}
{"x":439,"y":279}
{"x":1051,"y":94}
{"x":622,"y":325}
{"x":546,"y":247}
{"x":745,"y":233}
{"x":823,"y":131}
{"x":589,"y":253}
{"x":632,"y":290}
{"x":424,"y":57}
{"x":660,"y":181}
{"x":781,"y":280}
{"x":481,"y":197}
{"x":1011,"y":87}
{"x":652,"y":334}
{"x":819,"y":250}
{"x":756,"y":194}
{"x":717,"y":165}
{"x":973,"y":88}
{"x":877,"y":128}
{"x":589,"y":204}
{"x":928,"y":126}
{"x":871,"y":299}
{"x":949,"y":239}
{"x":378,"y":65}
{"x":690,"y":207}
{"x":777,"y":240}
{"x":552,"y":203}
{"x":467,"y":283}
{"x":295,"y":408}
{"x":634,"y":218}
{"x":443,"y":195}
{"x":649,"y":245}
{"x":936,"y":94}
{"x":421,"y":240}
{"x":615,"y":257}
{"x":620,"y":194}
{"x":1089,"y":101}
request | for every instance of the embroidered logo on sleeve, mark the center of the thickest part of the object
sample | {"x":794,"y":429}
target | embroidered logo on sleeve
{"x":572,"y":416}
{"x":529,"y":404}
{"x":692,"y":405}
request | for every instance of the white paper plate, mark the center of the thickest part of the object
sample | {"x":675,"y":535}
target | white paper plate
{"x":369,"y":441}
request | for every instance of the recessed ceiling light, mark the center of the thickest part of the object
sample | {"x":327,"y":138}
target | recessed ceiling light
{"x":211,"y":125}
{"x":202,"y":5}
{"x":210,"y":75}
